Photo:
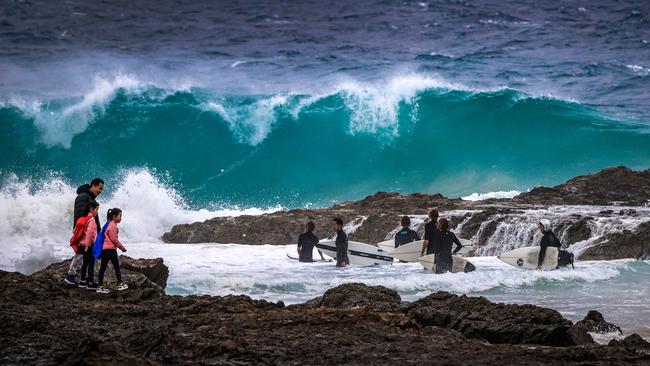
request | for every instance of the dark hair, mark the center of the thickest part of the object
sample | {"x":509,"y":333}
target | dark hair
{"x":96,"y":182}
{"x":444,"y":224}
{"x":112,"y":212}
{"x":90,"y":206}
{"x":433,"y":214}
{"x":406,"y":221}
{"x":310,"y":226}
{"x":338,"y":221}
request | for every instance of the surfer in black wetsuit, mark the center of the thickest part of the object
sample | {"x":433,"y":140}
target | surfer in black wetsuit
{"x":548,"y":240}
{"x":443,"y":262}
{"x":306,"y":243}
{"x":342,"y":259}
{"x":406,"y":235}
{"x":431,"y":234}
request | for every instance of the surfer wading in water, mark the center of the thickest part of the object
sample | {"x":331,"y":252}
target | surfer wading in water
{"x":443,"y":261}
{"x":431,"y":234}
{"x":405,"y":235}
{"x":341,"y":243}
{"x":306,"y":243}
{"x":548,"y":240}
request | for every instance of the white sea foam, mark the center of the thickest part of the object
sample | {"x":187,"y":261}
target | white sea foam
{"x":483,"y":196}
{"x":250,"y":123}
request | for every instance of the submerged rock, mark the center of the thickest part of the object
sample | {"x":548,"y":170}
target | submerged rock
{"x":594,"y":322}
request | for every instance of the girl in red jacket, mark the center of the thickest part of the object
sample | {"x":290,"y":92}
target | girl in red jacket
{"x":109,"y":251}
{"x":86,"y":248}
{"x":82,"y":233}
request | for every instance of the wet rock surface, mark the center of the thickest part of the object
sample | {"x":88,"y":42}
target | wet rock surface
{"x":375,"y":218}
{"x":618,"y":185}
{"x":43,"y":321}
{"x":594,"y":322}
{"x":626,"y":244}
{"x":633,"y":343}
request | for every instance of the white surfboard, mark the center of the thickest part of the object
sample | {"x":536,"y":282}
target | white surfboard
{"x":527,"y":258}
{"x":292,"y":253}
{"x":411,"y":252}
{"x":358,"y":253}
{"x":459,"y":264}
{"x":468,"y":246}
{"x":388,"y":245}
{"x":408,"y":252}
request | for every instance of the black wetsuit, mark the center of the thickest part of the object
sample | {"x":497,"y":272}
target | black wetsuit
{"x":306,"y":243}
{"x":548,"y":240}
{"x":432,"y":234}
{"x":341,"y":248}
{"x":84,"y":197}
{"x":405,"y":236}
{"x":442,"y":259}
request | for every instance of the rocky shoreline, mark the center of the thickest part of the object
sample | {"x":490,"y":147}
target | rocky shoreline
{"x":605,"y":215}
{"x":44,"y":321}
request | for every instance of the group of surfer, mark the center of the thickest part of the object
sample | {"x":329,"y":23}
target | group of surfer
{"x":438,"y":240}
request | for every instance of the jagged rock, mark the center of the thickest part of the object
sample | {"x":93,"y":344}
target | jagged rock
{"x":577,"y":231}
{"x":594,"y":322}
{"x":137,"y":273}
{"x":476,"y":317}
{"x":352,"y":295}
{"x":626,"y":244}
{"x":632,"y":342}
{"x":43,"y":321}
{"x":619,"y":185}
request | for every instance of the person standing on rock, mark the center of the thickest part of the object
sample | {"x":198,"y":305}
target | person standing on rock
{"x":342,"y":259}
{"x":443,"y":261}
{"x":548,"y":240}
{"x":405,"y":235}
{"x":86,"y":194}
{"x":431,"y":234}
{"x":109,"y":251}
{"x":306,"y":243}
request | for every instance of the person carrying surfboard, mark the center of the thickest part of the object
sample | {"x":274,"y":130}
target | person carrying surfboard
{"x":548,"y":240}
{"x":341,"y":241}
{"x":306,"y":243}
{"x":443,"y":262}
{"x":431,"y":234}
{"x":406,"y":235}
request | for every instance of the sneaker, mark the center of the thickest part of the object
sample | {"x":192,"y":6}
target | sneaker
{"x":92,"y":286}
{"x":70,"y":280}
{"x":122,"y":287}
{"x":83,"y":284}
{"x":102,"y":290}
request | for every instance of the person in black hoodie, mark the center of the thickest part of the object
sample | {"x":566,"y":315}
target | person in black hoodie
{"x":405,"y":235}
{"x":306,"y":243}
{"x":87,"y":193}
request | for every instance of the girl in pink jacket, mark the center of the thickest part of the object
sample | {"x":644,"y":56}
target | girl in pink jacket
{"x":86,"y":248}
{"x":109,"y":250}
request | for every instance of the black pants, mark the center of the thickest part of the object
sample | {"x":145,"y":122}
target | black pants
{"x":88,"y":266}
{"x":109,"y":255}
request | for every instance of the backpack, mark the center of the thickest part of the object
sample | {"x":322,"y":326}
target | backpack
{"x":99,"y":241}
